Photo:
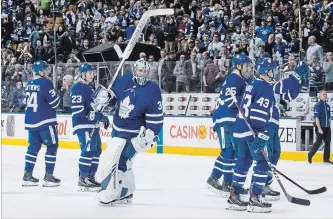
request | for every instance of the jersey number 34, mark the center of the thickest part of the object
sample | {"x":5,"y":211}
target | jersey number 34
{"x":32,"y":100}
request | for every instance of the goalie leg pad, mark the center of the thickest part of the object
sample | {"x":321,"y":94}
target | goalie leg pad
{"x":128,"y":186}
{"x":112,"y":178}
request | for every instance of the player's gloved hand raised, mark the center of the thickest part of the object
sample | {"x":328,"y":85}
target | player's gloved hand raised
{"x":260,"y":141}
{"x":301,"y":71}
{"x":94,"y":116}
{"x":144,"y":140}
{"x":106,"y":122}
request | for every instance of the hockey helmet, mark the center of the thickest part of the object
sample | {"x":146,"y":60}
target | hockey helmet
{"x":141,"y":66}
{"x":86,"y":67}
{"x":40,"y":66}
{"x":240,"y":59}
{"x":266,"y":64}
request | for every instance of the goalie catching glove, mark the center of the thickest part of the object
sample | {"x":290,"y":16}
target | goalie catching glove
{"x":145,"y":140}
{"x":102,"y":98}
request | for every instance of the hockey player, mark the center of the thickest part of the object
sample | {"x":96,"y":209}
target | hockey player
{"x":257,"y":106}
{"x":287,"y":90}
{"x":84,"y":120}
{"x":224,"y":118}
{"x":41,"y":121}
{"x":137,"y":121}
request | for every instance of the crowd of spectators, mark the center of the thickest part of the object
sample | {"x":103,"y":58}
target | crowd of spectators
{"x":196,"y":44}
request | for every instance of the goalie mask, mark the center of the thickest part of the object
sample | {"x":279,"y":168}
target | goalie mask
{"x":140,"y":72}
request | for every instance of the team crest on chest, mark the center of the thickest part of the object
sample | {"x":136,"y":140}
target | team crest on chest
{"x":125,"y":108}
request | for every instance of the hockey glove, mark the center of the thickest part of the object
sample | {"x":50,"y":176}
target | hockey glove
{"x":102,"y":98}
{"x":144,"y":140}
{"x":260,"y":142}
{"x":106,"y":122}
{"x":94,"y":116}
{"x":301,"y":71}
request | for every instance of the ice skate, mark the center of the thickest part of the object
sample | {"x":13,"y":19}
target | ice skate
{"x":244,"y":195}
{"x":269,"y":194}
{"x":85,"y":185}
{"x":29,"y":180}
{"x":257,"y":204}
{"x":92,"y":179}
{"x":125,"y":200}
{"x":235,"y":202}
{"x":226,"y":189}
{"x":50,"y":180}
{"x":214,"y":185}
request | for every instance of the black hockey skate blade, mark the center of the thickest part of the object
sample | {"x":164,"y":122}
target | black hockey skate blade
{"x":317,"y":191}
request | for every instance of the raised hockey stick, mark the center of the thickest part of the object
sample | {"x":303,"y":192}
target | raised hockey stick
{"x":290,"y":198}
{"x":130,"y":46}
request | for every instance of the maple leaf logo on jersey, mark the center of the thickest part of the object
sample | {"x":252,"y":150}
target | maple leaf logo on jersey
{"x":125,"y":108}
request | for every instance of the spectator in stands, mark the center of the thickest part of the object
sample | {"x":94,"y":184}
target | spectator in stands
{"x":182,"y":79}
{"x":170,"y":34}
{"x":314,"y":50}
{"x":191,"y":67}
{"x":153,"y":71}
{"x":328,"y":69}
{"x":317,"y":77}
{"x":210,"y":75}
{"x":215,"y":47}
{"x":18,"y":98}
{"x":66,"y":88}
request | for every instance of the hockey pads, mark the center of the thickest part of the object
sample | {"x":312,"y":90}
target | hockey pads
{"x":301,"y":71}
{"x":102,"y":97}
{"x":260,"y":141}
{"x":144,"y":140}
{"x":94,"y":116}
{"x":106,"y":122}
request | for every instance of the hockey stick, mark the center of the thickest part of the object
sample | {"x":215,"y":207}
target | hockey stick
{"x":128,"y":50}
{"x":311,"y":192}
{"x":188,"y":103}
{"x":290,"y":198}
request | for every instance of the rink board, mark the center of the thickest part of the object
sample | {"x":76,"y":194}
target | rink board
{"x":180,"y":135}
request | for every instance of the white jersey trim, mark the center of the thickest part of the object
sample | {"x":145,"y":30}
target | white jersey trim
{"x":257,"y":118}
{"x":226,"y":119}
{"x":54,"y":100}
{"x":154,"y":122}
{"x":46,"y":121}
{"x":77,"y":107}
{"x":259,"y":111}
{"x":243,"y":135}
{"x":274,"y":121}
{"x":86,"y":126}
{"x":124,"y":130}
{"x":154,"y":115}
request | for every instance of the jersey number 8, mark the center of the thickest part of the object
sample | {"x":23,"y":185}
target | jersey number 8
{"x":32,"y":100}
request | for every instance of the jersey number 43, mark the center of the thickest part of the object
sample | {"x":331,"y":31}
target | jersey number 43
{"x":247,"y":102}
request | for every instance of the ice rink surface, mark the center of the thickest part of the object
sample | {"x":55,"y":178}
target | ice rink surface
{"x":168,"y":186}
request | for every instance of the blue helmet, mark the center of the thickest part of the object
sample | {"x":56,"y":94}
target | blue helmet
{"x":86,"y":67}
{"x":266,"y":64}
{"x":240,"y":59}
{"x":40,"y":66}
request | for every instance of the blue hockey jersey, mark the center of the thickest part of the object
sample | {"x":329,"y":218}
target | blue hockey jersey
{"x":81,"y":105}
{"x":287,"y":89}
{"x":257,"y":102}
{"x":225,"y":110}
{"x":41,"y":100}
{"x":136,"y":106}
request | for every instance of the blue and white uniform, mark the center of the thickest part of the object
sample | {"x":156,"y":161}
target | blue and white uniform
{"x":224,"y":118}
{"x":40,"y":118}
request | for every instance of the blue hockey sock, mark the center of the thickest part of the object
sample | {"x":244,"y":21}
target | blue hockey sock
{"x":228,"y":164}
{"x":259,"y":181}
{"x":50,"y":158}
{"x":94,"y":164}
{"x":30,"y":160}
{"x":85,"y":163}
{"x":217,"y":171}
{"x":238,"y":180}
